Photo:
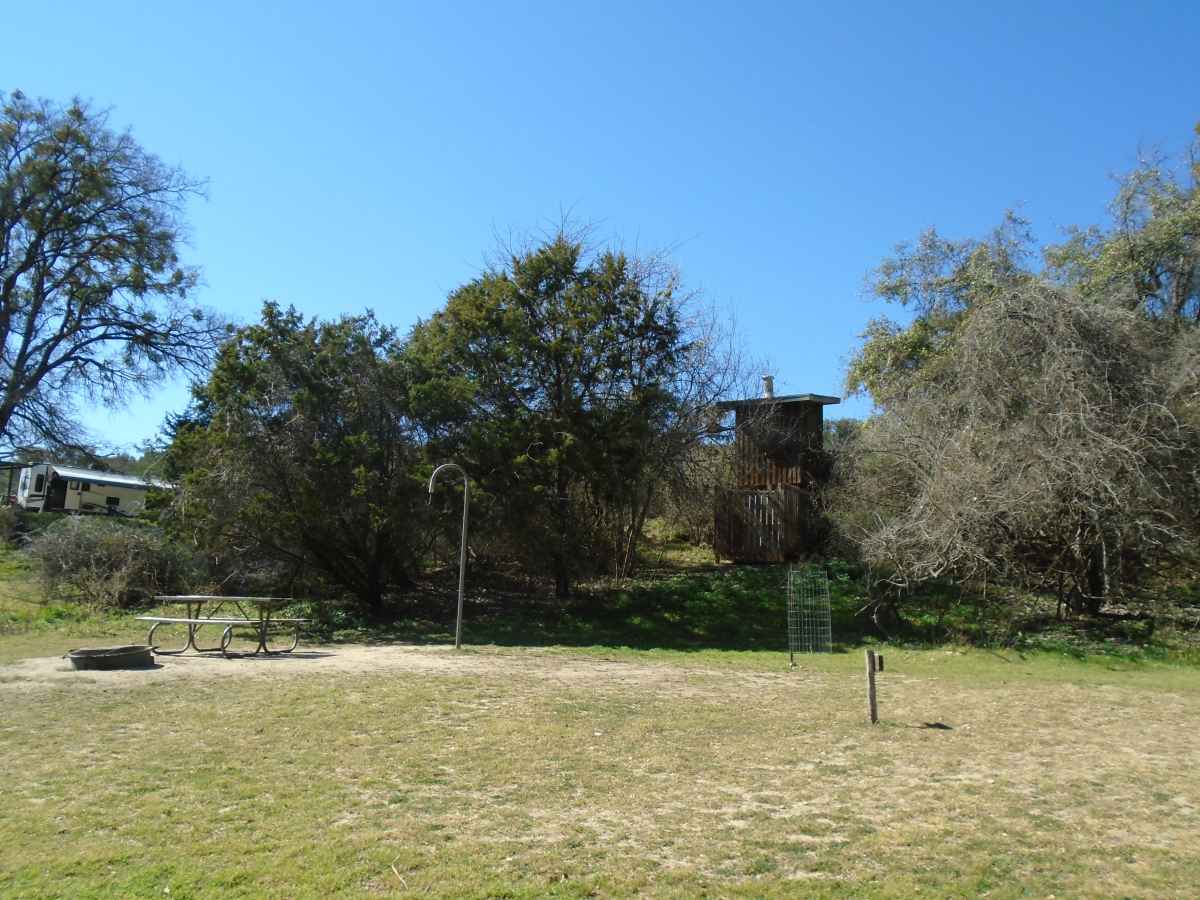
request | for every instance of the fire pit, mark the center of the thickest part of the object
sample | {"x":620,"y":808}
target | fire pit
{"x":134,"y":656}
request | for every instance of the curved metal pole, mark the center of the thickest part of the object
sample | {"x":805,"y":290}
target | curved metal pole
{"x":462,"y":552}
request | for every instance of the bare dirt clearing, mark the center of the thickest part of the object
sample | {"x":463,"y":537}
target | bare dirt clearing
{"x":343,"y":659}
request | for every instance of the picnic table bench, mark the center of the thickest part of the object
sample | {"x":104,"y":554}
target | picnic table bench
{"x":194,"y":618}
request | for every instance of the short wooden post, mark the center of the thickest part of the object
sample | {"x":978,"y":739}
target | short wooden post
{"x":871,"y":704}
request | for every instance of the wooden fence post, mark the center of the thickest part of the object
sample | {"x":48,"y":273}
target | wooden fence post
{"x":871,"y":704}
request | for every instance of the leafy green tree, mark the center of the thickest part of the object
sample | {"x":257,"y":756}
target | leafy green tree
{"x":1149,"y":258}
{"x":938,"y":281}
{"x":300,"y":450}
{"x":93,"y":297}
{"x":569,"y":385}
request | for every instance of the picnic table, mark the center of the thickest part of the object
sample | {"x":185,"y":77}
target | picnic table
{"x":204,"y":609}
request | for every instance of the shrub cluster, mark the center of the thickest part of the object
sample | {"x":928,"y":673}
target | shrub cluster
{"x":110,"y":562}
{"x":9,"y":525}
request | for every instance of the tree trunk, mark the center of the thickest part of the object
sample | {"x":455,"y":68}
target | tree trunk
{"x":1097,"y":577}
{"x":628,"y":554}
{"x":372,"y":595}
{"x":1091,"y":569}
{"x":562,"y":562}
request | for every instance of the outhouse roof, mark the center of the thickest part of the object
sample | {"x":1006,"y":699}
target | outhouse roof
{"x":822,"y":399}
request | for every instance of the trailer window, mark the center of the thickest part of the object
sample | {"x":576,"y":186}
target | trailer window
{"x":85,"y":485}
{"x":74,"y":485}
{"x":39,"y":483}
{"x":113,"y":501}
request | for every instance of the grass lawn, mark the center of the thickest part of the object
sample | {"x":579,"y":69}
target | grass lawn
{"x":575,"y":769}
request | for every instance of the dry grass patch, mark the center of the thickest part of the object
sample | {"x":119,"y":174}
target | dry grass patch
{"x":518,"y":773}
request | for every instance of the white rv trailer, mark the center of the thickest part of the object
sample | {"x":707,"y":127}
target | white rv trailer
{"x":47,"y":487}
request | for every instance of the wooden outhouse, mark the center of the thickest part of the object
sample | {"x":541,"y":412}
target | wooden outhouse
{"x":769,"y":515}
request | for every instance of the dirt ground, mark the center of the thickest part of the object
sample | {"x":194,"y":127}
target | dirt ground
{"x":356,"y":659}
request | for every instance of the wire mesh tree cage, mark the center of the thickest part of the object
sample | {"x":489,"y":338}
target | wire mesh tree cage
{"x":810,"y":625}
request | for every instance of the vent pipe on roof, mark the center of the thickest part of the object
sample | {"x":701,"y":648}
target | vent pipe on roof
{"x":768,"y":387}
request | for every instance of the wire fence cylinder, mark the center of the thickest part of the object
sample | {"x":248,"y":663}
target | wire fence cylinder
{"x":810,"y":624}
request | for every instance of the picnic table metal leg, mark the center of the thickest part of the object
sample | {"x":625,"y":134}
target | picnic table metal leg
{"x":189,"y":644}
{"x":263,"y":645}
{"x":192,"y":629}
{"x":295,"y":643}
{"x":264,"y":628}
{"x":199,"y":649}
{"x":183,"y":649}
{"x":264,"y":620}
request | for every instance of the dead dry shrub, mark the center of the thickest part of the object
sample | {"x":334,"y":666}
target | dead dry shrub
{"x":1055,"y":443}
{"x":109,"y":563}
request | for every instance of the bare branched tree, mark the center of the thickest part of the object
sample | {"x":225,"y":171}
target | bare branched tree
{"x":1054,"y":443}
{"x":682,"y":462}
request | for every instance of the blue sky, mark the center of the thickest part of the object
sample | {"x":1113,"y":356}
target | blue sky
{"x":367,"y":154}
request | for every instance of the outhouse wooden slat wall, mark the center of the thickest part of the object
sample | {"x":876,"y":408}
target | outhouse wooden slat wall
{"x":769,"y":513}
{"x":771,"y":445}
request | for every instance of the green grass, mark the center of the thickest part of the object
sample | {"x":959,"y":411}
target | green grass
{"x":646,"y":739}
{"x":743,"y":608}
{"x":502,"y":772}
